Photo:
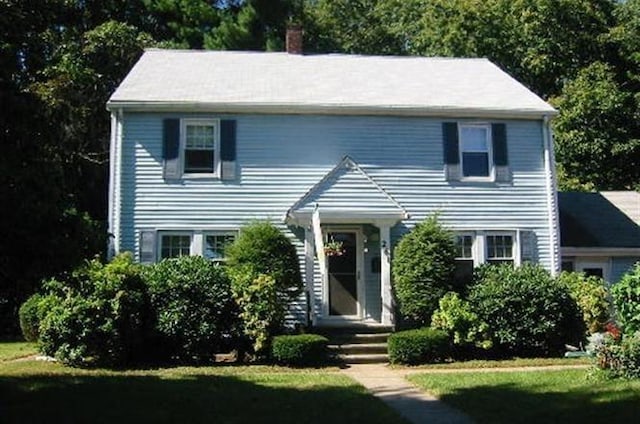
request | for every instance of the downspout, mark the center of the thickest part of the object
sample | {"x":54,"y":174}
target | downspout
{"x":115,"y":153}
{"x":112,"y":174}
{"x":552,"y":195}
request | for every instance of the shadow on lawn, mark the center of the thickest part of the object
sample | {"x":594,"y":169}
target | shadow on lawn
{"x":188,"y":399}
{"x":507,"y":403}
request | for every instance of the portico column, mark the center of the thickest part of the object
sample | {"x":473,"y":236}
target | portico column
{"x":308,"y":273}
{"x":385,"y":275}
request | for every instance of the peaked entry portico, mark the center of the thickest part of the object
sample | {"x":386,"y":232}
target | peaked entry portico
{"x":349,"y":209}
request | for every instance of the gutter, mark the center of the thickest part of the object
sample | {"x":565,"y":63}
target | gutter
{"x":329,"y":109}
{"x":552,"y":195}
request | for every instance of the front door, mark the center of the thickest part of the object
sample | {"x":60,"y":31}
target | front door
{"x":343,"y":275}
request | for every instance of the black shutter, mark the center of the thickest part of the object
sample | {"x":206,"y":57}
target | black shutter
{"x":450,"y":143}
{"x":171,"y":148}
{"x":228,"y":140}
{"x":171,"y":139}
{"x":500,"y":155}
{"x":228,"y":148}
{"x":147,"y":247}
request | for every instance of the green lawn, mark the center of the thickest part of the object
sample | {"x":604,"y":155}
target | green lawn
{"x":13,"y":350}
{"x":567,"y":396}
{"x":38,"y":392}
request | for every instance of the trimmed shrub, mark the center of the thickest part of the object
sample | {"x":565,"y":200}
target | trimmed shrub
{"x":423,"y":268}
{"x":456,"y":317}
{"x":528,"y":312}
{"x":264,"y":249}
{"x":31,"y":314}
{"x":194,"y":312}
{"x":591,"y":295}
{"x":265,"y":274}
{"x":418,"y":346}
{"x":300,"y":349}
{"x":626,"y":298}
{"x":97,"y":316}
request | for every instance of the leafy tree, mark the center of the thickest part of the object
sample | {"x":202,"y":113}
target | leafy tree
{"x":596,"y":131}
{"x":423,"y":266}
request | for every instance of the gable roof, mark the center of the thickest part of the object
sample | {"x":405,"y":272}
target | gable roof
{"x":592,"y":220}
{"x":345,"y":84}
{"x":348,"y":191}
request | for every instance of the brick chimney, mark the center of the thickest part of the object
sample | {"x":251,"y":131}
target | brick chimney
{"x":294,"y":39}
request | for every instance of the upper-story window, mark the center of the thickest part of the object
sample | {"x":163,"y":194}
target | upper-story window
{"x":475,"y":150}
{"x":200,"y":146}
{"x":500,"y":249}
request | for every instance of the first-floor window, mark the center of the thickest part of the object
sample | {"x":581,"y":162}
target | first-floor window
{"x":216,"y":243}
{"x":463,"y":274}
{"x":500,"y":249}
{"x":174,"y":245}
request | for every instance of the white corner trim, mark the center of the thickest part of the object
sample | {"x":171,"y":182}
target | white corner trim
{"x":552,"y":195}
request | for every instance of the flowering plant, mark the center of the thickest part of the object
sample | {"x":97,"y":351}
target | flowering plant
{"x":333,"y":248}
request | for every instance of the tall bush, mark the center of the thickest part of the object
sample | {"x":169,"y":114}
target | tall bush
{"x":591,"y":295}
{"x":265,"y":274}
{"x":264,"y":249}
{"x":626,"y":298}
{"x":423,"y":267}
{"x":98,"y":315}
{"x":528,"y":312}
{"x":193,"y":309}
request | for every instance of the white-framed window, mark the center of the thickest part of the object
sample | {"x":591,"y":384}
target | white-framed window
{"x":500,"y":248}
{"x":174,"y":244}
{"x":200,"y":147}
{"x":215,"y":243}
{"x":464,"y":243}
{"x":475,"y":151}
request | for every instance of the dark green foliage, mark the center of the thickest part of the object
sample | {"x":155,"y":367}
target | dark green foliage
{"x":418,"y":346}
{"x":528,"y":312}
{"x":423,"y":266}
{"x":194,"y":313}
{"x":266,"y":250}
{"x":300,"y":349}
{"x":97,"y":316}
{"x":32,"y":312}
{"x":626,"y":298}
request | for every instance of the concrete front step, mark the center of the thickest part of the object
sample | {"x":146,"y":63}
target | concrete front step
{"x":359,"y":348}
{"x":358,"y":338}
{"x":371,"y":358}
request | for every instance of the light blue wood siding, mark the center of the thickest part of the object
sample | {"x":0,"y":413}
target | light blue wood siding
{"x":620,"y":266}
{"x":279,"y":158}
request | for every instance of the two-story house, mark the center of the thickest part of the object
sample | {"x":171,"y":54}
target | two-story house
{"x":204,"y":142}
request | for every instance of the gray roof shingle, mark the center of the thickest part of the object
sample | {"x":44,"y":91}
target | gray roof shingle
{"x":236,"y":80}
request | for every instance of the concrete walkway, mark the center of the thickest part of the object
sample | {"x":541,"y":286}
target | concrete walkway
{"x":391,"y":387}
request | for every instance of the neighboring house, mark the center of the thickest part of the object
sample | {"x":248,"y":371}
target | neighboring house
{"x":600,"y":232}
{"x":204,"y":142}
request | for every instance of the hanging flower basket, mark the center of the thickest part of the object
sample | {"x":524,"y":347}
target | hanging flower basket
{"x":333,"y":248}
